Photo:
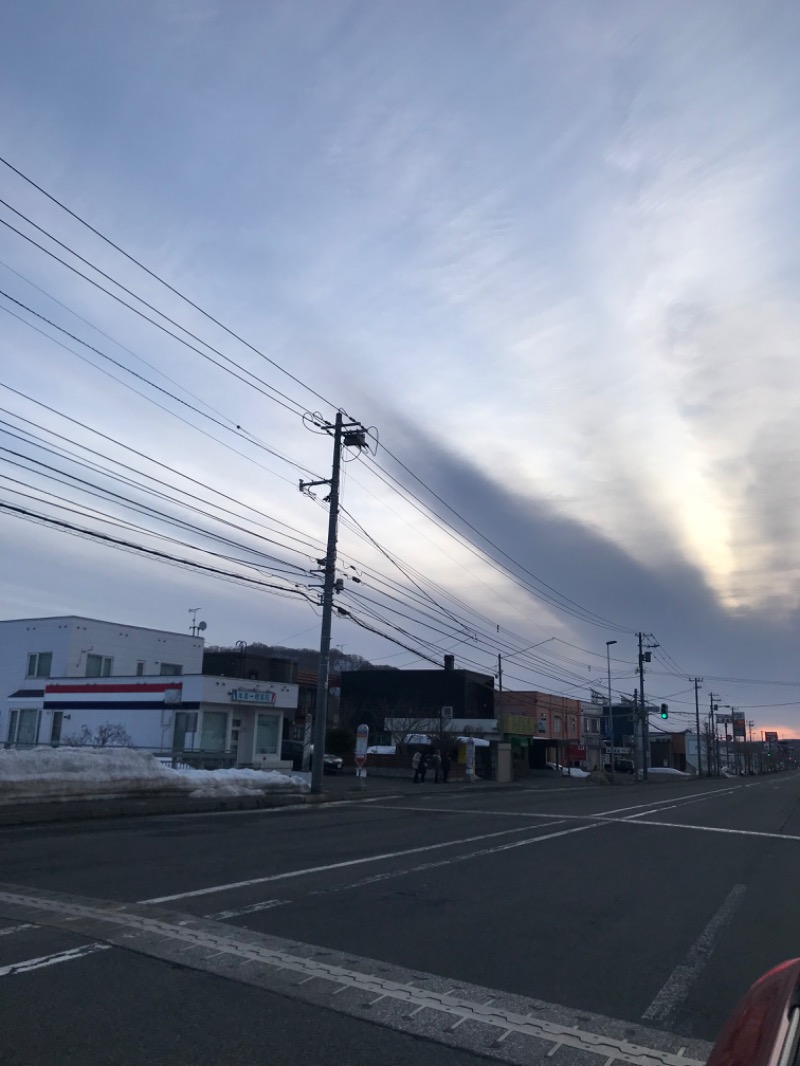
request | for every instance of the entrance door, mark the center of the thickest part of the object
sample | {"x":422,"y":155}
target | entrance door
{"x":55,"y":732}
{"x":267,"y":728}
{"x":236,"y":728}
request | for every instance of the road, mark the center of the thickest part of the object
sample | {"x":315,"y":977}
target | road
{"x":563,"y":925}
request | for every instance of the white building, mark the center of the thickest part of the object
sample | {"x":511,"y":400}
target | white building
{"x":60,"y":677}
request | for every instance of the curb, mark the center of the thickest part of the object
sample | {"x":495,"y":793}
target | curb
{"x":41,"y":813}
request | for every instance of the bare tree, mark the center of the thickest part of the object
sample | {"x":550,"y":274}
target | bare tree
{"x":108,"y":735}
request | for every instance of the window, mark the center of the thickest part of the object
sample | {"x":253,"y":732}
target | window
{"x":99,"y":665}
{"x":39,"y":664}
{"x":267,"y":729}
{"x":215,"y":731}
{"x":557,"y":723}
{"x":170,"y":669}
{"x":140,"y":668}
{"x":23,"y":726}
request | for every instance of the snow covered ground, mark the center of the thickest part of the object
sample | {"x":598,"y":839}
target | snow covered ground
{"x":88,"y":773}
{"x":667,"y":771}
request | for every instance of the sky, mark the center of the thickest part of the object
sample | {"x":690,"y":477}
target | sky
{"x":545,"y":251}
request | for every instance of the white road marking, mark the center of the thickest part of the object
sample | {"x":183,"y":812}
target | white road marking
{"x":422,"y":867}
{"x":472,"y":810}
{"x":672,"y":799}
{"x":266,"y":905}
{"x":52,"y":960}
{"x":669,"y":999}
{"x":317,"y":972}
{"x":16,"y":929}
{"x":383,"y":857}
{"x":641,"y":814}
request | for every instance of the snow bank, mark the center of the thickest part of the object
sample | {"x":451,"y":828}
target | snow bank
{"x":573,"y":771}
{"x":667,"y":770}
{"x":87,"y":773}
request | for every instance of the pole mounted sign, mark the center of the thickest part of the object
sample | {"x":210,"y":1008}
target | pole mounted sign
{"x":362,"y":740}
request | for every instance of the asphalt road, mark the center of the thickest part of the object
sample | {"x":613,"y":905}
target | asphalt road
{"x":572,"y":925}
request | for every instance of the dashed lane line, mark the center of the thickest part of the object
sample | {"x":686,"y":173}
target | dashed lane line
{"x":327,"y":867}
{"x":42,"y":961}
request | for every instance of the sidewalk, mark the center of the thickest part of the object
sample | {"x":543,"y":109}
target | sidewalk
{"x":337,"y":787}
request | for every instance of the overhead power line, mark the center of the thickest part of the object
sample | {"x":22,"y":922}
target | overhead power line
{"x":166,"y":284}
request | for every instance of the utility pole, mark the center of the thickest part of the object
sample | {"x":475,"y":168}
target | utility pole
{"x":644,"y":656}
{"x":697,"y":681}
{"x":351,"y":434}
{"x":500,"y":673}
{"x":610,"y":710}
{"x":715,"y":754}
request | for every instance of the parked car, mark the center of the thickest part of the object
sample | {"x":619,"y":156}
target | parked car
{"x":293,"y":750}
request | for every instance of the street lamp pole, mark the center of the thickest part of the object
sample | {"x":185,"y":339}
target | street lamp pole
{"x":610,"y":709}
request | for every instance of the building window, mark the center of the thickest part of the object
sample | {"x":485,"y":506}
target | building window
{"x":214,"y":731}
{"x":23,"y":727}
{"x":557,"y":724}
{"x":170,"y":669}
{"x":267,"y":729}
{"x":140,"y":668}
{"x":39,"y":664}
{"x":99,"y":665}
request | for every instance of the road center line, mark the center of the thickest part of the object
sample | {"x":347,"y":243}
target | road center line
{"x":673,"y":993}
{"x":383,"y":857}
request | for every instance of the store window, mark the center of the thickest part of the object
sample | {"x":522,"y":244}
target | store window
{"x":214,"y":734}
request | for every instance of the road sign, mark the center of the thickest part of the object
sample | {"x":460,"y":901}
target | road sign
{"x":306,"y":743}
{"x":771,"y":738}
{"x":362,"y":741}
{"x":470,"y":760}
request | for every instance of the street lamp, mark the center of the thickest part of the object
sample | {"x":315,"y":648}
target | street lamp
{"x":610,"y":709}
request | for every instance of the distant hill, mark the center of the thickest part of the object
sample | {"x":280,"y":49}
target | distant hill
{"x":306,"y":658}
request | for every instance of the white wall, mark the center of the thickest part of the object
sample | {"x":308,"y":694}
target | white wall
{"x":71,"y":639}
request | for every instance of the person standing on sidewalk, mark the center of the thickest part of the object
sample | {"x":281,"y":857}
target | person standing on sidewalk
{"x":423,"y":766}
{"x":445,"y":766}
{"x":415,"y":759}
{"x":436,"y":763}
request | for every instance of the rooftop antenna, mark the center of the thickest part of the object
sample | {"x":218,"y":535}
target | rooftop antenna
{"x":196,"y":627}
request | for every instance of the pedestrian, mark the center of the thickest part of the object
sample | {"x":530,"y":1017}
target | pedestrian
{"x":436,"y":762}
{"x":415,"y":761}
{"x":423,"y":766}
{"x":445,"y":767}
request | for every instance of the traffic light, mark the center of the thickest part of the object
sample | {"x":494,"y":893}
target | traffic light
{"x":664,"y":710}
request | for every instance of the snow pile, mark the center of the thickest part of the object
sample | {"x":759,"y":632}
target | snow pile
{"x":87,"y":773}
{"x":573,"y":771}
{"x":668,"y":771}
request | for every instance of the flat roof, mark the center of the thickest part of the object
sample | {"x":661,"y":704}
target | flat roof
{"x":97,"y":621}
